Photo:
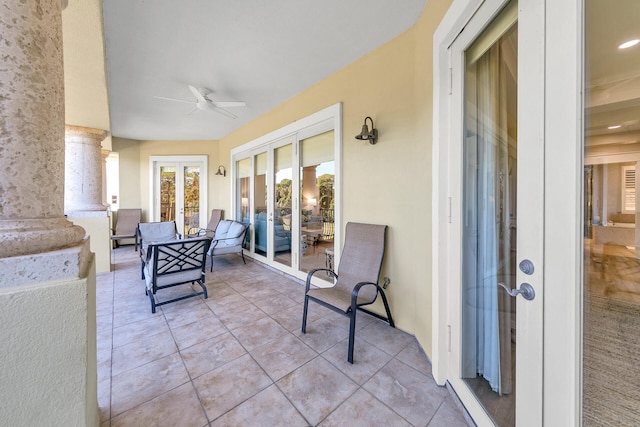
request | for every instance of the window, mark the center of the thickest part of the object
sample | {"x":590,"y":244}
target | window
{"x":628,"y":189}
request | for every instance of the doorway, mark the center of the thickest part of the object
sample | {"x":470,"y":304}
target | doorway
{"x":179,"y":191}
{"x":489,"y":248}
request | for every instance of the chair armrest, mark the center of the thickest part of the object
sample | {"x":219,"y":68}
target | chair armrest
{"x":312,"y":272}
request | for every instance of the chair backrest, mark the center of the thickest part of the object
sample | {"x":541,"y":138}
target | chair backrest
{"x":231,"y":231}
{"x":156,"y":232}
{"x":361,"y":258}
{"x":126,"y":221}
{"x":216,"y":216}
{"x":178,"y":260}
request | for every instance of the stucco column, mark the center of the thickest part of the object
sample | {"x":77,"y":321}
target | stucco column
{"x":83,"y":169}
{"x":32,"y":130}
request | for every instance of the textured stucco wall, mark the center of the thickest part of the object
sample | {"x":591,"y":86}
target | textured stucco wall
{"x":48,"y":354}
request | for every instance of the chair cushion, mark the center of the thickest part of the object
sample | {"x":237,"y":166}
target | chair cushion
{"x":158,"y":231}
{"x":223,"y":228}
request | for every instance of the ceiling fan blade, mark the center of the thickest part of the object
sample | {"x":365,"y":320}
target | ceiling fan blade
{"x":174,"y":99}
{"x":199,"y":96}
{"x":227,"y":104}
{"x":222,"y":111}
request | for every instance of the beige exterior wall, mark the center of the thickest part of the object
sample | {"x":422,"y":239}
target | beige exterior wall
{"x":387,"y":183}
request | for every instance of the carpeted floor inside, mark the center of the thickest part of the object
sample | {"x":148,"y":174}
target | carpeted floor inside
{"x":611,"y":362}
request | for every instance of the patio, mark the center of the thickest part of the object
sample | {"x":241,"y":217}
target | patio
{"x":239,"y":358}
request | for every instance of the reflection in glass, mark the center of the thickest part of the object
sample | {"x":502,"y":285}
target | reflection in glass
{"x":611,"y":277}
{"x":191,"y":198}
{"x":489,"y":210}
{"x":243,"y":183}
{"x":282,"y":205}
{"x":260,"y":203}
{"x":167,"y":193}
{"x":317,"y":190}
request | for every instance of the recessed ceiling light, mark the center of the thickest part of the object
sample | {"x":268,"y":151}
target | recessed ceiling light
{"x":628,"y":44}
{"x":615,"y":127}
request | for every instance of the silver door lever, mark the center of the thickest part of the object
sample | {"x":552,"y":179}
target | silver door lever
{"x":525,"y":289}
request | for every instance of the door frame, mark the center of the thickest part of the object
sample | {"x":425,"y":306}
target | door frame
{"x":154,"y":161}
{"x":551,"y":58}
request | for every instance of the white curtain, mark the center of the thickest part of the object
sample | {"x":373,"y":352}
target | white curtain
{"x":486,"y":244}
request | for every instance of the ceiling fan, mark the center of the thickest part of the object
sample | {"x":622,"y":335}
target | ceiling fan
{"x":206,"y":103}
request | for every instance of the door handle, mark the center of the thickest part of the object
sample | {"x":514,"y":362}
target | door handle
{"x":526,"y":290}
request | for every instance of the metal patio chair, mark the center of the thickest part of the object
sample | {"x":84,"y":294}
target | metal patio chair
{"x":356,"y":283}
{"x":174,"y":263}
{"x":216,"y":216}
{"x":151,"y":232}
{"x":126,"y":225}
{"x":228,"y":239}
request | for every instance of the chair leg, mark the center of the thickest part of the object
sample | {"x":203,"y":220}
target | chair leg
{"x":386,"y":307}
{"x":352,"y":333}
{"x":304,"y":314}
{"x":211,"y":259}
{"x":242,"y":253}
{"x":153,"y":302}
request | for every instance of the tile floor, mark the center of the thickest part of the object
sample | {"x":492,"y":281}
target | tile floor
{"x":238,"y":358}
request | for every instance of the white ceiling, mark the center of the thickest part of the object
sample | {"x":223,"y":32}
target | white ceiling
{"x":612,"y":75}
{"x":257,"y":51}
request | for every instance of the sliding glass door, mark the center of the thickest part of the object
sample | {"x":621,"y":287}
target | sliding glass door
{"x":286,"y":189}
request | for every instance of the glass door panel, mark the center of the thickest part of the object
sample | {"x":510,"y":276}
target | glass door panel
{"x":167,"y":193}
{"x":178,"y":193}
{"x":611,"y":236}
{"x":191,"y":197}
{"x":317,"y":192}
{"x":489,"y":222}
{"x":260,"y":203}
{"x":283,"y":197}
{"x":243,"y":191}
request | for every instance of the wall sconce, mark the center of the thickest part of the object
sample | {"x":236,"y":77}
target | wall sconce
{"x":365,"y":135}
{"x":221,"y":171}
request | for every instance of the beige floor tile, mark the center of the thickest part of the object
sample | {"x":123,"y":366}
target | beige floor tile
{"x":188,"y":311}
{"x":198,"y":331}
{"x":275,"y":304}
{"x":448,"y":415}
{"x":414,"y":356}
{"x":177,"y":407}
{"x":142,"y":351}
{"x":211,"y":354}
{"x":136,"y":386}
{"x":411,"y":394}
{"x":367,"y":359}
{"x":364,"y":410}
{"x":279,"y":358}
{"x":227,"y":303}
{"x":316,"y":389}
{"x":268,"y":408}
{"x":291,"y":318}
{"x":260,"y":332}
{"x":133,"y":332}
{"x":388,"y":339}
{"x":229,"y":385}
{"x":322,"y":334}
{"x":239,"y":316}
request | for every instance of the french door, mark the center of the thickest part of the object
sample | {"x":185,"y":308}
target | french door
{"x":179,"y":191}
{"x":493,"y":221}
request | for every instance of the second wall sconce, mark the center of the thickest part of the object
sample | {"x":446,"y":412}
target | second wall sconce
{"x":221,"y":171}
{"x":365,"y":135}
